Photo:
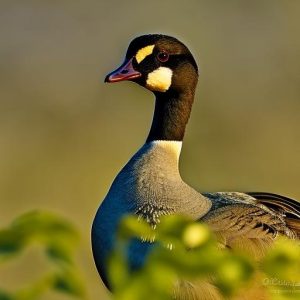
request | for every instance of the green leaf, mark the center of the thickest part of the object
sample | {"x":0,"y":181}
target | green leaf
{"x":68,"y":281}
{"x":161,"y":278}
{"x":118,"y":272}
{"x":196,"y":235}
{"x":234,"y":270}
{"x":283,"y":261}
{"x":5,"y":296}
{"x":59,"y":238}
{"x":11,"y":242}
{"x":131,"y":226}
{"x":60,"y":251}
{"x":171,"y":227}
{"x":45,"y":226}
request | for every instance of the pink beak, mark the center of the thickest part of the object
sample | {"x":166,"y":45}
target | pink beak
{"x":124,"y":72}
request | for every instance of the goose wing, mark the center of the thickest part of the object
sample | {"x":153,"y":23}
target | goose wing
{"x":251,"y":221}
{"x":289,"y":208}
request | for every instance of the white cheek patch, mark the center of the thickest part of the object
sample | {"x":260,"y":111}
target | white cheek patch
{"x":159,"y":80}
{"x":143,"y":53}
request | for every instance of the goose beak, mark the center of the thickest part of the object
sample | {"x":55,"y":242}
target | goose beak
{"x":124,"y":72}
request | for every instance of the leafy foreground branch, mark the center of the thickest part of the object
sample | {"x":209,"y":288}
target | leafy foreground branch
{"x":187,"y":250}
{"x":59,"y":239}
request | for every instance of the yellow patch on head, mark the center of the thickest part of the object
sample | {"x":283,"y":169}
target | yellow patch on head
{"x":142,"y":53}
{"x":159,"y":80}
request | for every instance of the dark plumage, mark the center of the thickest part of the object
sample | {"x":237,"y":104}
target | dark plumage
{"x":150,"y":184}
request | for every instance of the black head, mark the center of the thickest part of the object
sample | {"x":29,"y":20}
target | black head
{"x":158,"y":62}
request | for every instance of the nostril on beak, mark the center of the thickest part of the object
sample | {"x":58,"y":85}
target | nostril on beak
{"x":124,"y":71}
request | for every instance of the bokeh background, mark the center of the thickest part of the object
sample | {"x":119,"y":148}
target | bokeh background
{"x":64,"y":134}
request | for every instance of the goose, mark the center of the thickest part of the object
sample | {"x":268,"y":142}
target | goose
{"x":150,"y":185}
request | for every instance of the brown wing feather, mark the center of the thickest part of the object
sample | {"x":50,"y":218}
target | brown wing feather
{"x":289,"y":208}
{"x":246,"y":227}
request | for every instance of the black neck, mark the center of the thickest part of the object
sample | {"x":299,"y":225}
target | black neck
{"x":171,"y":114}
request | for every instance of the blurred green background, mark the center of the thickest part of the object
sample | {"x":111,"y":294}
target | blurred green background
{"x":64,"y":134}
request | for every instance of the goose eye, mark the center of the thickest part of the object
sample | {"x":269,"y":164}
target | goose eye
{"x":163,"y":56}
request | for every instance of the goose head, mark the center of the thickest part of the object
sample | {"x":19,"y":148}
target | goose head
{"x":159,"y":63}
